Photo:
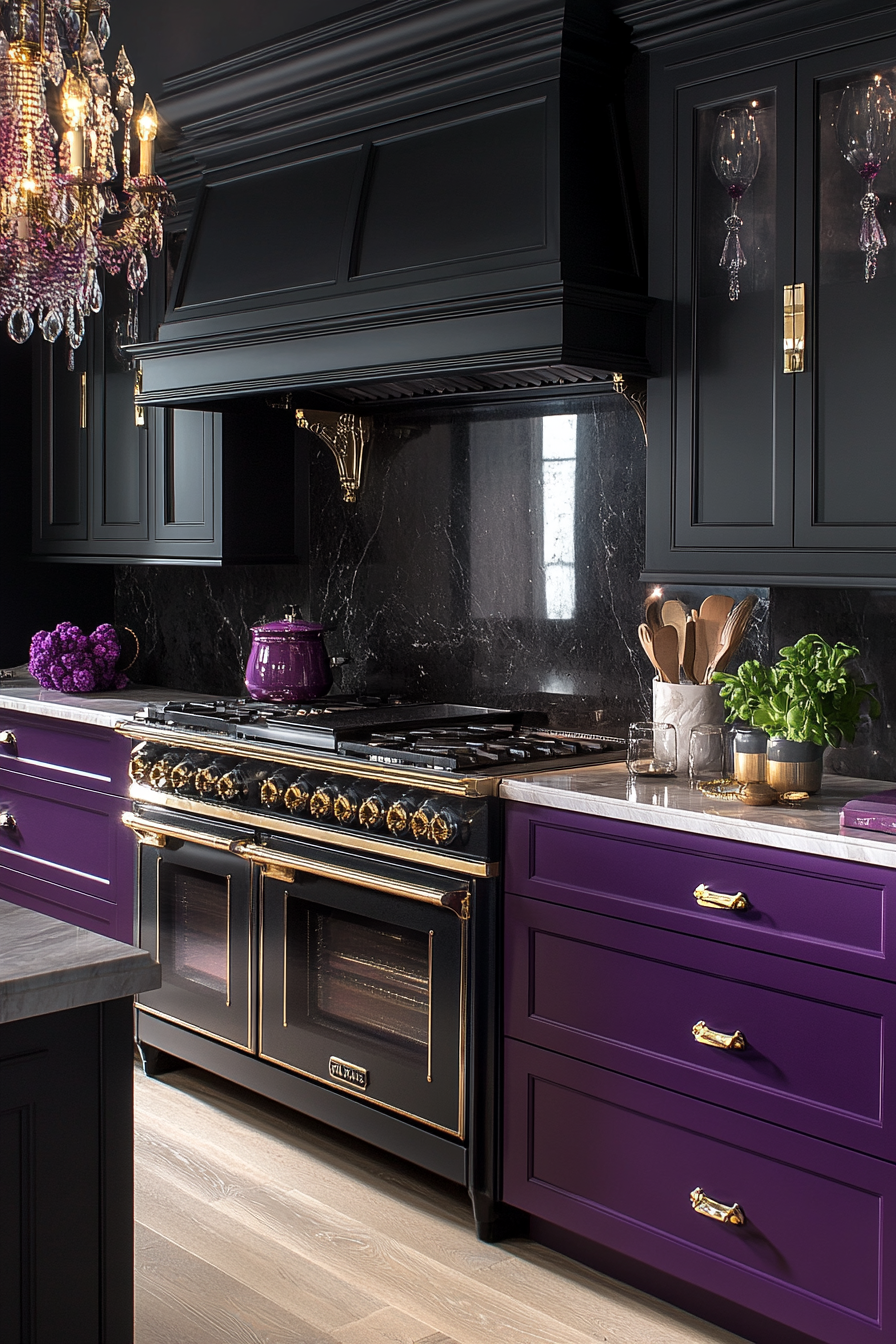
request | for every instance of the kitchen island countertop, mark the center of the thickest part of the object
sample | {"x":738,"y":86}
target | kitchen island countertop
{"x":47,"y":966}
{"x":813,"y":827}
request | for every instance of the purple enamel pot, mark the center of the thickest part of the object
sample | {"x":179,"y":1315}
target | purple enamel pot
{"x":288,"y":661}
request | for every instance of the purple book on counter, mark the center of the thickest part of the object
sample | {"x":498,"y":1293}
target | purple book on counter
{"x":875,"y":812}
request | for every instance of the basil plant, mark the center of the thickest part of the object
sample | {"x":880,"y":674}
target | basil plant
{"x":808,"y":696}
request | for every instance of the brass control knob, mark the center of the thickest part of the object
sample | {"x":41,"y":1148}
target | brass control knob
{"x":323,"y":799}
{"x":240,"y":783}
{"x":399,"y":813}
{"x":421,"y":822}
{"x":346,"y":805}
{"x":141,"y":760}
{"x":206,"y":781}
{"x":297,"y":795}
{"x":272,"y":792}
{"x":444,"y":827}
{"x":183,"y":775}
{"x":372,"y":812}
{"x":160,"y":771}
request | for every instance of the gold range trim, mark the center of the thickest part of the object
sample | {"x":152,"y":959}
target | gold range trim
{"x":465,"y":786}
{"x":447,"y":860}
{"x":191,"y":1026}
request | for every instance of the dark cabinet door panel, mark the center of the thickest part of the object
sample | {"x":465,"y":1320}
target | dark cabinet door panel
{"x":815,"y":1047}
{"x":616,"y":1161}
{"x":60,"y":427}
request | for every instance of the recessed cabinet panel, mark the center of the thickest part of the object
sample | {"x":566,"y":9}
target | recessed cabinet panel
{"x":118,"y":445}
{"x":470,"y":189}
{"x":852,"y":462}
{"x":238,"y":222}
{"x":185,"y":474}
{"x":732,"y":477}
{"x":61,"y":424}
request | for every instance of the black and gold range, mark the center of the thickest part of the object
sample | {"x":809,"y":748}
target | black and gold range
{"x":368,"y":805}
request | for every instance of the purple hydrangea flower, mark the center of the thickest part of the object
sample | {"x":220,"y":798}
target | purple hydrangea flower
{"x":65,"y":659}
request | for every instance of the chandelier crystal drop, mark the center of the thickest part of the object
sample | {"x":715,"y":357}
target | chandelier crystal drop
{"x":68,"y":201}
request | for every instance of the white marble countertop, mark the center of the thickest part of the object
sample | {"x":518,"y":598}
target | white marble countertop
{"x":103,"y":708}
{"x":47,"y":966}
{"x":811,"y":828}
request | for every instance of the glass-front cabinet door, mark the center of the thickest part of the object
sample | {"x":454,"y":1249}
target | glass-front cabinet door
{"x":733,"y":460}
{"x":846,"y":254}
{"x":197,"y":919}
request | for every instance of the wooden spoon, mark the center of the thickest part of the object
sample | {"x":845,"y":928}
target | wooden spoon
{"x":675,"y":614}
{"x":666,"y":653}
{"x":645,"y":634}
{"x":732,"y":635}
{"x":714,"y":612}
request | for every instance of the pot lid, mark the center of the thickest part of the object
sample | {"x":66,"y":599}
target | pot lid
{"x":291,"y":623}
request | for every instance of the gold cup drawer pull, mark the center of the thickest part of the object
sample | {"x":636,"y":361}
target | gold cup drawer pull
{"x":704,"y":1035}
{"x":711,"y":1208}
{"x":720,"y":900}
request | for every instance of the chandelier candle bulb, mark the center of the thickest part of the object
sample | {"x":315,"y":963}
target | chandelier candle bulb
{"x":147,"y":126}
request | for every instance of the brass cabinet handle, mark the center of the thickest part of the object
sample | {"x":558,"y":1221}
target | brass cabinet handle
{"x":711,"y":1208}
{"x":83,"y":403}
{"x":139,"y":412}
{"x":720,"y":900}
{"x":8,"y":739}
{"x":704,"y":1035}
{"x":8,"y":822}
{"x":794,"y":328}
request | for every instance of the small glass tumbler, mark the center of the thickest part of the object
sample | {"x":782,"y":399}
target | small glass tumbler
{"x":708,"y":753}
{"x":652,"y":749}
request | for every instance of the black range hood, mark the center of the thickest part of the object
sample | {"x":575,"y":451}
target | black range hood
{"x":424,"y":199}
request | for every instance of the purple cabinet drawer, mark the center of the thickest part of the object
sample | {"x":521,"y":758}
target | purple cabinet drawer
{"x":827,"y":911}
{"x":68,"y":854}
{"x":820,"y":1045}
{"x":64,"y":751}
{"x":615,"y":1160}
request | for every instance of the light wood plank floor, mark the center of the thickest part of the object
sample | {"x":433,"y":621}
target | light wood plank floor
{"x":257,"y":1226}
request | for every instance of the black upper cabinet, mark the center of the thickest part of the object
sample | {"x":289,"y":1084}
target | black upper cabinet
{"x":181,"y":487}
{"x":756,"y":473}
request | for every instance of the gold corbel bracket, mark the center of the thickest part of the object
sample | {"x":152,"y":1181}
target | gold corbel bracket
{"x":636,"y":396}
{"x":346,"y":436}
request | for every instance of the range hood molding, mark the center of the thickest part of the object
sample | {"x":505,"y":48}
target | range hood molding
{"x":459,"y":170}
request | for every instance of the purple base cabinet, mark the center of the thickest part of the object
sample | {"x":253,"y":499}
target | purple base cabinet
{"x":63,"y":850}
{"x":700,"y":1098}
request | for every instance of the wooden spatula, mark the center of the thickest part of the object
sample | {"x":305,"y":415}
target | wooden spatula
{"x":665,"y":651}
{"x":732,"y":635}
{"x":701,"y":649}
{"x":687,"y":652}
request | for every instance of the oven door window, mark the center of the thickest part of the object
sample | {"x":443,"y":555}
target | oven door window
{"x":366,"y":992}
{"x":196,"y":917}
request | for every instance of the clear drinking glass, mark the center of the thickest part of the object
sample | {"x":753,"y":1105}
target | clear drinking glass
{"x":708,"y":753}
{"x":652,"y":749}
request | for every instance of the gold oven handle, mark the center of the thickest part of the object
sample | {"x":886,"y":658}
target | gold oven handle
{"x":283,"y":867}
{"x":704,"y":1035}
{"x":157,"y":834}
{"x":711,"y":1208}
{"x":720,"y":900}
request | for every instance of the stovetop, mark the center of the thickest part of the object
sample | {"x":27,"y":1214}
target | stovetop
{"x":456,"y":739}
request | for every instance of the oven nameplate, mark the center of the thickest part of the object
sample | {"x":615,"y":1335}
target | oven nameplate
{"x":344,"y":1072}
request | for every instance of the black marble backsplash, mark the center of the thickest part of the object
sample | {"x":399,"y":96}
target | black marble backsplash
{"x":493,"y":557}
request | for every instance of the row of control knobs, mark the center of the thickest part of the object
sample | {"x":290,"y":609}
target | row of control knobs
{"x":406,"y":814}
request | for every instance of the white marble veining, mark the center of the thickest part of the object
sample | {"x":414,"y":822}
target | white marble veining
{"x":47,"y":966}
{"x":812,"y":828}
{"x":103,"y":708}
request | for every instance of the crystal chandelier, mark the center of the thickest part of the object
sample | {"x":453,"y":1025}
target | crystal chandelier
{"x":68,"y":204}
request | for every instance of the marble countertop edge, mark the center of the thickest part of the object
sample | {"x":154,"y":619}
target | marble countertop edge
{"x":814,"y":828}
{"x":102,"y":709}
